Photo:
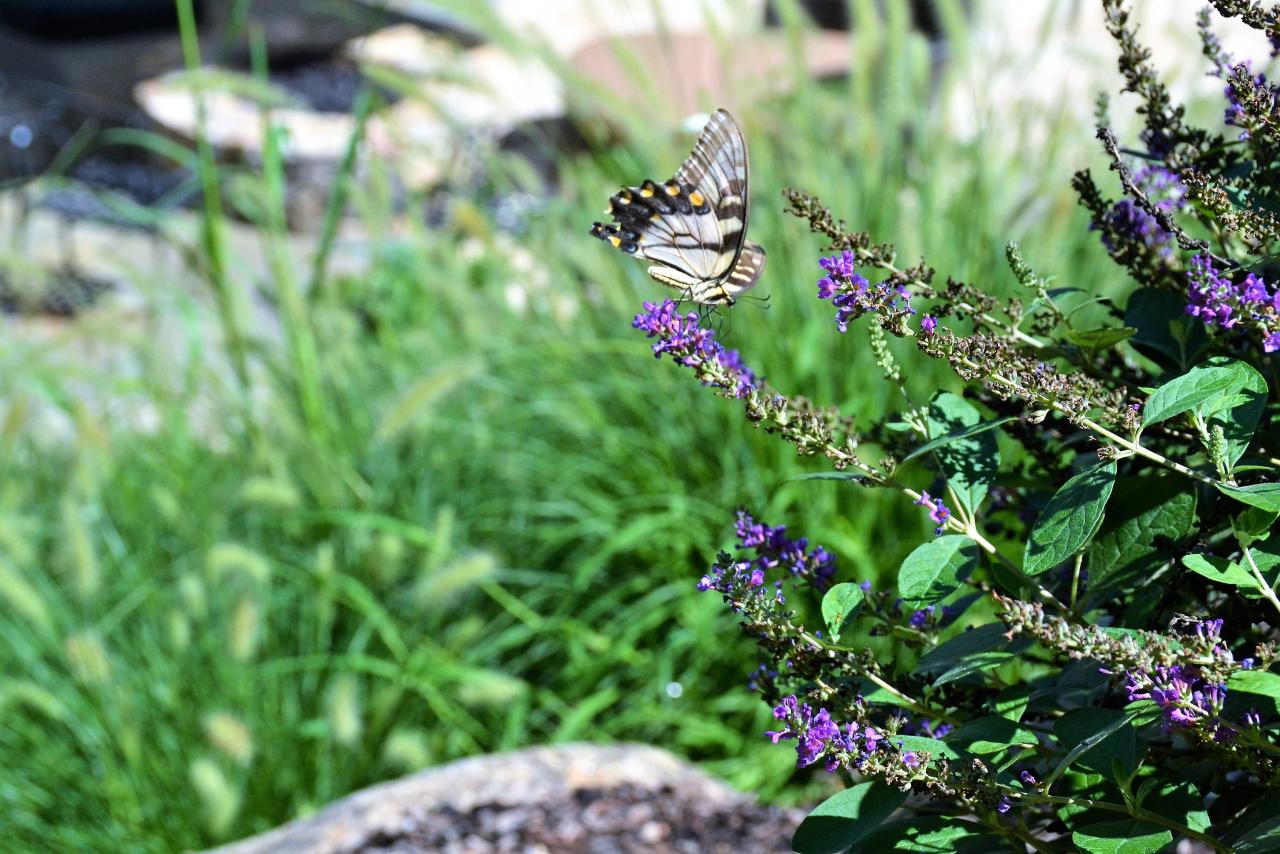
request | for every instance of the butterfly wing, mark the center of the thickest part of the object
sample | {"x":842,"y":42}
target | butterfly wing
{"x":693,"y":226}
{"x":718,"y":168}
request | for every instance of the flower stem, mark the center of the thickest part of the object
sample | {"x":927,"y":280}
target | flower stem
{"x":1267,"y":590}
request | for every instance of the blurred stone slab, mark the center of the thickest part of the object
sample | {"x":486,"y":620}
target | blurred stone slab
{"x":236,"y":123}
{"x":692,"y":72}
{"x":373,"y":819}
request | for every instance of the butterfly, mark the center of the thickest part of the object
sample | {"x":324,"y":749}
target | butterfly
{"x":693,"y":226}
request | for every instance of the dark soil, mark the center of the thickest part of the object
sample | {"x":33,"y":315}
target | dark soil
{"x":596,"y":821}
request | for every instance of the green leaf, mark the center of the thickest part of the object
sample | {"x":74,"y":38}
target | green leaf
{"x":1241,"y":419}
{"x":969,"y":464}
{"x":1220,"y":570}
{"x":1012,"y":702}
{"x":1100,"y":339}
{"x":838,"y":605}
{"x":990,"y":734}
{"x":1198,"y":385}
{"x":1163,"y":326}
{"x":1255,"y":523}
{"x":1262,"y":838}
{"x":935,"y":748}
{"x":846,"y":818}
{"x":971,"y":664}
{"x":1070,"y":519}
{"x":934,"y":570}
{"x":1145,"y":515}
{"x":1098,"y":738}
{"x":947,"y":655}
{"x":1261,"y":682}
{"x":1144,"y":712}
{"x":933,"y":834}
{"x":957,"y":435}
{"x":1179,"y":801}
{"x":1122,"y":837}
{"x":1229,"y":393}
{"x":1265,"y":496}
{"x":832,"y":475}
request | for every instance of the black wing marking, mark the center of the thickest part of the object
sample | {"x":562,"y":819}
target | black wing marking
{"x":668,"y":224}
{"x":695,"y":224}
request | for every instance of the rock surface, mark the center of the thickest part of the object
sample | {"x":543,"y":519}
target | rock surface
{"x":569,"y":798}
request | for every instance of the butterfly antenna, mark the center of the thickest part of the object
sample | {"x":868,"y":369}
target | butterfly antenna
{"x":763,"y":302}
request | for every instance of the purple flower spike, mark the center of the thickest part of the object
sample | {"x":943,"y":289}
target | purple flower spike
{"x":853,"y":296}
{"x":773,"y":548}
{"x":693,"y":346}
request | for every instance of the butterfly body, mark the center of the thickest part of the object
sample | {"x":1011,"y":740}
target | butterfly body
{"x":693,"y":227}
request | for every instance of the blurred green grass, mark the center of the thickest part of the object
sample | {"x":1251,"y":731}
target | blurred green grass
{"x":440,"y":523}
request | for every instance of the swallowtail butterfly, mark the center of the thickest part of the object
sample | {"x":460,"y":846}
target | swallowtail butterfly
{"x":694,"y":226}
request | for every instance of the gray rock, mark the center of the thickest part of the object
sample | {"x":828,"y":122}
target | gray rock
{"x":583,"y":797}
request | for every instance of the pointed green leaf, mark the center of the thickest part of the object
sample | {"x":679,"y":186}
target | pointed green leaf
{"x":1184,"y":393}
{"x":1146,"y":516}
{"x":1100,"y":339}
{"x":990,"y":734}
{"x":1070,"y":519}
{"x":1122,"y":837}
{"x":947,"y":655}
{"x":1265,"y":496}
{"x":957,"y":435}
{"x":1261,"y":682}
{"x":846,"y":818}
{"x":971,"y":664}
{"x":934,"y":570}
{"x":1099,"y":738}
{"x":1220,"y":570}
{"x":933,"y":834}
{"x":969,"y":464}
{"x":838,"y":605}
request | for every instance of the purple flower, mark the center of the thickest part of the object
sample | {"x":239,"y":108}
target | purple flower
{"x":928,"y":324}
{"x":1128,"y":223}
{"x":1004,"y":804}
{"x":1209,"y":292}
{"x":693,"y":346}
{"x":938,"y":512}
{"x":1271,"y":343}
{"x":910,"y":760}
{"x":1028,"y":778}
{"x":1254,"y":289}
{"x":1184,"y":696}
{"x":919,"y":618}
{"x":814,"y":732}
{"x":773,"y":548}
{"x":853,"y":296}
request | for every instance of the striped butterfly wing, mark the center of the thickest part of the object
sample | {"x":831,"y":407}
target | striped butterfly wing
{"x":693,"y":227}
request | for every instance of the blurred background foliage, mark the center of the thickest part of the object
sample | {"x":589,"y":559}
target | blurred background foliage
{"x":455,"y":505}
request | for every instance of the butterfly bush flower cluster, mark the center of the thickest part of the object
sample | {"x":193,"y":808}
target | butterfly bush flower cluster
{"x":1215,"y":298}
{"x":854,"y":296}
{"x":774,"y":548}
{"x":1128,"y":222}
{"x":683,"y":337}
{"x":860,"y":746}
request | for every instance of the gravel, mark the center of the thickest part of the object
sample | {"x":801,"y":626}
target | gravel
{"x":626,"y":818}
